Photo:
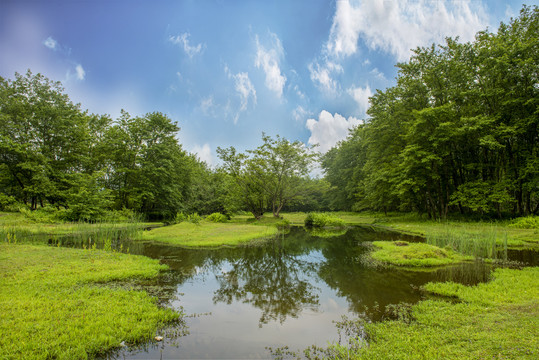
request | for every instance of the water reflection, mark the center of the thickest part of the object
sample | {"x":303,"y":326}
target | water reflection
{"x":287,"y":291}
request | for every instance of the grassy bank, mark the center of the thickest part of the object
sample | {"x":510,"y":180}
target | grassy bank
{"x":402,"y":253}
{"x":494,"y":320}
{"x":501,"y":231}
{"x":54,"y":303}
{"x":209,"y":234}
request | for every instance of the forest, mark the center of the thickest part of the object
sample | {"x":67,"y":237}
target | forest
{"x":457,"y":134}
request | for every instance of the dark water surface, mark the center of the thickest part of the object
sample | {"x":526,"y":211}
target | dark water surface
{"x":287,"y":291}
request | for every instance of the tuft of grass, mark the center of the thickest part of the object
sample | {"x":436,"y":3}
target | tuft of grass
{"x":403,"y":253}
{"x":54,"y":304}
{"x":209,"y":234}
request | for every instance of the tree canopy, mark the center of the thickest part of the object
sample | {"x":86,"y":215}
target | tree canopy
{"x":458,"y":132}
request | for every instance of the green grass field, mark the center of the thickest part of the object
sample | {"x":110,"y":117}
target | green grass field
{"x":55,"y":304}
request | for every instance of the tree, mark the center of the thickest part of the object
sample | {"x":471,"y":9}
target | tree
{"x":270,"y":176}
{"x":149,"y":172}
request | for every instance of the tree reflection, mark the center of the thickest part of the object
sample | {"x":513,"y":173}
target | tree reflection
{"x":275,"y":279}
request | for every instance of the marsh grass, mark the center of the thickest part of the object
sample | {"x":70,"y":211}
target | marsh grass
{"x":494,"y":320}
{"x":55,"y":304}
{"x":104,"y":235}
{"x":403,"y":253}
{"x":210,"y":234}
{"x":479,"y":244}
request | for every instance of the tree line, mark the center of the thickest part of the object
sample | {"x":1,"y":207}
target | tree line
{"x":53,"y":155}
{"x":457,"y":133}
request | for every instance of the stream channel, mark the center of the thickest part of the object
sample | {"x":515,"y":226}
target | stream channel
{"x":283,"y":292}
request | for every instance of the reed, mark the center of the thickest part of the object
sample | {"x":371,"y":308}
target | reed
{"x":467,"y":242}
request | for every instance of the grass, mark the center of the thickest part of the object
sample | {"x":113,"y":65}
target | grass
{"x":209,"y":234}
{"x":322,"y":220}
{"x":494,"y":320}
{"x":504,"y":230}
{"x":54,"y":303}
{"x":403,"y":253}
{"x":15,"y":227}
{"x":480,"y":245}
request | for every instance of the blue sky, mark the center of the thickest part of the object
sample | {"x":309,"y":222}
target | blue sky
{"x":227,"y":71}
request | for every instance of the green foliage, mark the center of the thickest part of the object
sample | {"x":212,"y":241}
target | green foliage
{"x":271,"y":176}
{"x":217,"y":218}
{"x":403,"y":253}
{"x":527,"y":222}
{"x":180,"y":217}
{"x":194,"y":218}
{"x":458,"y":133}
{"x":320,"y":220}
{"x":71,"y":316}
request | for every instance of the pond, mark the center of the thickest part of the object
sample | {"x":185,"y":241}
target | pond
{"x":286,"y":291}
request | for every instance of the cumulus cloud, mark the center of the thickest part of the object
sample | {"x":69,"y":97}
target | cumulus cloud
{"x":183,"y":41}
{"x":268,"y":60}
{"x":204,"y":153}
{"x":50,"y":43}
{"x":398,"y":26}
{"x":361,"y":96}
{"x":329,"y":129}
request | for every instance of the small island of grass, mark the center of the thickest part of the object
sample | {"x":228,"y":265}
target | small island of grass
{"x":209,"y":234}
{"x":403,"y":253}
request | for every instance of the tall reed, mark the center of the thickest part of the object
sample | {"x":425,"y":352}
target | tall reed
{"x":464,"y":241}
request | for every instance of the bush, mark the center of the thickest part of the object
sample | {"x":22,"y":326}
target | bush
{"x":180,"y":217}
{"x":321,"y":220}
{"x":217,"y":218}
{"x":528,"y":222}
{"x":194,"y":218}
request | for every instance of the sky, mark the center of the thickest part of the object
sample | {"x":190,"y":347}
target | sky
{"x":227,"y":71}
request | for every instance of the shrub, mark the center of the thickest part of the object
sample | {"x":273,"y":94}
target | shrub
{"x":194,"y":218}
{"x":180,"y":217}
{"x":217,"y":218}
{"x":323,"y":220}
{"x":527,"y":222}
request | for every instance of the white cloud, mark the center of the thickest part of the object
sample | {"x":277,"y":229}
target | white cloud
{"x":204,"y":153}
{"x":50,"y":43}
{"x":244,"y":87}
{"x":81,"y":74}
{"x":299,"y":113}
{"x":361,"y":96}
{"x":329,"y":129}
{"x":321,"y":75}
{"x":207,"y":105}
{"x":398,"y":26}
{"x":183,"y":40}
{"x":268,"y":60}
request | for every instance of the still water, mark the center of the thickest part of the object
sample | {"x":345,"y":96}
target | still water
{"x":287,"y":291}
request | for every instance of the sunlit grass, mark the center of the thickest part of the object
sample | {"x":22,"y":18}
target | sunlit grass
{"x":494,"y":320}
{"x":209,"y":234}
{"x":403,"y":253}
{"x":51,"y":306}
